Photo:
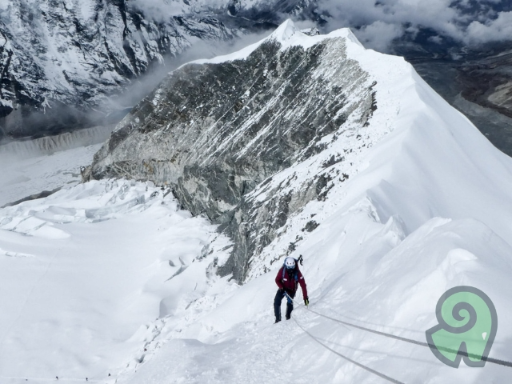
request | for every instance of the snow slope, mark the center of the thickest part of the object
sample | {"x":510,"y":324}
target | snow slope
{"x":83,"y":270}
{"x":426,"y":208}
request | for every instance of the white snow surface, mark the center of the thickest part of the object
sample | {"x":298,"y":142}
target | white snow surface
{"x":102,"y":278}
{"x":85,"y":272}
{"x":288,"y":35}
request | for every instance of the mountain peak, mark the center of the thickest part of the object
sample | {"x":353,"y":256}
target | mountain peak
{"x":288,"y":35}
{"x":285,"y":31}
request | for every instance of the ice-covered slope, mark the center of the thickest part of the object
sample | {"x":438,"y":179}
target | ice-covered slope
{"x":419,"y":203}
{"x":86,"y":271}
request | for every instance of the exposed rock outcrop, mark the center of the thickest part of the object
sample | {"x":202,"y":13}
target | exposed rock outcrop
{"x":217,"y":132}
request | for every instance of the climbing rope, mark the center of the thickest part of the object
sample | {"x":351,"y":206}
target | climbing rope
{"x":504,"y":363}
{"x":381,"y":375}
{"x":390,"y":379}
{"x":421,"y":343}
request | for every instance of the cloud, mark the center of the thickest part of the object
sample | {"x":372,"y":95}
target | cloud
{"x":492,"y":30}
{"x":378,"y":22}
{"x":378,"y":35}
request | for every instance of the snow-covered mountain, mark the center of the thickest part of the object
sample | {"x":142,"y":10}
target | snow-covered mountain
{"x":306,"y":145}
{"x":66,"y":57}
{"x":60,"y":60}
{"x":64,"y":64}
{"x":219,"y":131}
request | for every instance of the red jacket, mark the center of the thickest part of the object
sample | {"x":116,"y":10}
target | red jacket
{"x":289,"y":283}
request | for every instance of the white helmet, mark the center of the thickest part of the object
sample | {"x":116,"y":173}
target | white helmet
{"x":289,"y":263}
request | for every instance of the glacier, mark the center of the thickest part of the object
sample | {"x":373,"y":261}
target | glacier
{"x":420,"y":204}
{"x":48,"y":163}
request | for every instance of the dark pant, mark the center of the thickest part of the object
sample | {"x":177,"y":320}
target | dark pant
{"x":277,"y":304}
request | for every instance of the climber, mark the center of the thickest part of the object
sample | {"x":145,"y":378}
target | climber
{"x":287,"y":279}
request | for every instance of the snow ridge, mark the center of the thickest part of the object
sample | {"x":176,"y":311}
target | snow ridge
{"x":412,"y":220}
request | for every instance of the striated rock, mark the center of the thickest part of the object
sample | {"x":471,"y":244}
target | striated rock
{"x":218,"y":132}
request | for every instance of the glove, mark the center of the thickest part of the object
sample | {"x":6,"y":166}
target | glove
{"x":306,"y":301}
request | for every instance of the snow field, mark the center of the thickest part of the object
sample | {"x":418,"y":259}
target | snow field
{"x":83,"y":270}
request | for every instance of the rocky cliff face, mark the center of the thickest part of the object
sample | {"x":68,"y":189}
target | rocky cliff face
{"x":219,"y":132}
{"x":61,"y":59}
